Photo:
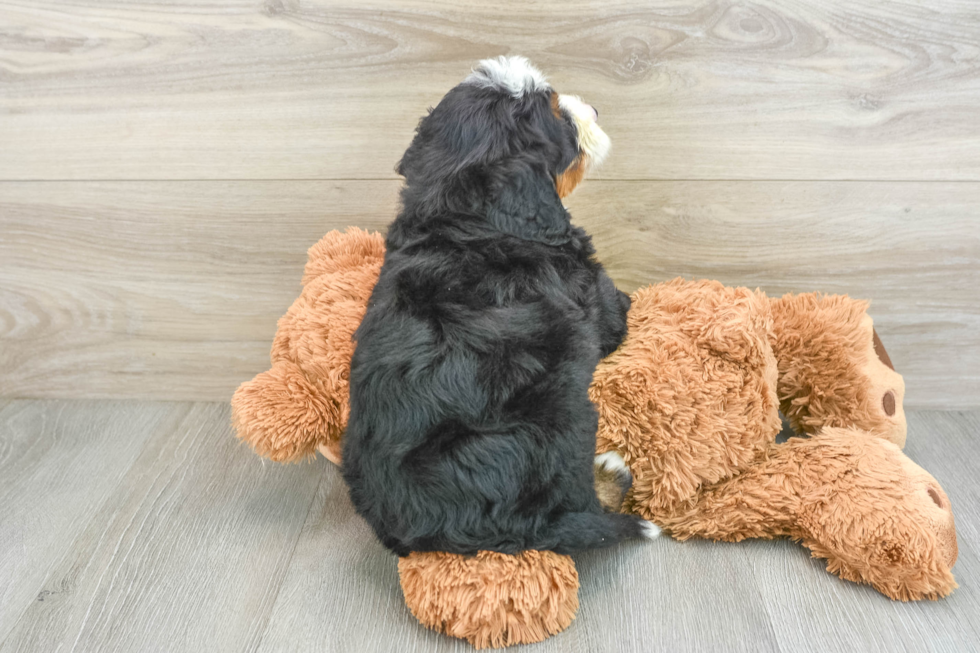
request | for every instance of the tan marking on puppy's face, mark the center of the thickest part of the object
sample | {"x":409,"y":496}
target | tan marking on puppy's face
{"x":555,"y":106}
{"x":567,"y":181}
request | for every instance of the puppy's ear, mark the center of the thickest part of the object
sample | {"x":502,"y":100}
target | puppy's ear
{"x":524,"y":202}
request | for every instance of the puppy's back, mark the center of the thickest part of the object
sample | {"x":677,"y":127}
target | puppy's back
{"x":470,"y":419}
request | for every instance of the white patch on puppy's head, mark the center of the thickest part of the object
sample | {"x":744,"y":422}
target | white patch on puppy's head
{"x":515,"y":75}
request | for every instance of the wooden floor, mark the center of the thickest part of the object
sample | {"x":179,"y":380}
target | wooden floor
{"x":145,"y":526}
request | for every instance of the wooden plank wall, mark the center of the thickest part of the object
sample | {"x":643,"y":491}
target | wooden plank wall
{"x":165,"y":165}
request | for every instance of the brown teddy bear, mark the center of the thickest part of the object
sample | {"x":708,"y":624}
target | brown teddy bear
{"x":691,"y":401}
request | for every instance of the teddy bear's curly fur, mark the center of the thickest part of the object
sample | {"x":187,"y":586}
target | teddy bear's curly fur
{"x":301,"y":403}
{"x":691,"y":401}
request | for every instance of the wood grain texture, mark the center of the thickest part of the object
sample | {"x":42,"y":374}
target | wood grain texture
{"x":59,"y":462}
{"x":145,"y":526}
{"x":198,"y":546}
{"x":913,"y":249}
{"x":157,"y":290}
{"x":782,"y":89}
{"x":342,"y":591}
{"x":187,"y":554}
{"x":172,"y":290}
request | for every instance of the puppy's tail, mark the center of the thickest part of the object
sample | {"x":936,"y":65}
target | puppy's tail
{"x":578,"y":531}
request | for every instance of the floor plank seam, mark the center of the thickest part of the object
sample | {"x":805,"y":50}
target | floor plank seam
{"x":288,"y":563}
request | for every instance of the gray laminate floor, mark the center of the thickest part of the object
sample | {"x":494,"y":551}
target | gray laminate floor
{"x":140,"y":526}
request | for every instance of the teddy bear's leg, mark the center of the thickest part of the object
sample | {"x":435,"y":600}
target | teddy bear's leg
{"x":689,"y":398}
{"x":285,"y":418}
{"x":833,"y":369}
{"x":856,"y":501}
{"x":491,"y":599}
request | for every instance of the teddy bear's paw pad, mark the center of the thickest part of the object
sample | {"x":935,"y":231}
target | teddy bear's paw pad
{"x":331,"y":451}
{"x":888,"y":403}
{"x":491,"y":599}
{"x":939,"y":516}
{"x":880,"y":351}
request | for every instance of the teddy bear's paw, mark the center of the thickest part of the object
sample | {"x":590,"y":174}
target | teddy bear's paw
{"x":283,"y":416}
{"x":331,"y":451}
{"x":612,"y":480}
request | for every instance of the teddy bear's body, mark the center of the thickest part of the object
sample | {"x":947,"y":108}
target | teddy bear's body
{"x":691,"y":401}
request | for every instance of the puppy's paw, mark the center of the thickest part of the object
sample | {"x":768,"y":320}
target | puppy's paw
{"x":612,"y":480}
{"x":612,"y":464}
{"x":649,"y":530}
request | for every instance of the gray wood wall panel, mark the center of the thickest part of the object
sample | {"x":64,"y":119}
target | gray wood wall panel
{"x":323,"y":89}
{"x":172,"y":290}
{"x":159,"y":291}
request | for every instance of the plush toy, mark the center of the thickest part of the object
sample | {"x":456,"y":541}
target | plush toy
{"x":691,"y":401}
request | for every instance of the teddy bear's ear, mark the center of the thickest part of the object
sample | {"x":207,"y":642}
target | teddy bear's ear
{"x":343,"y":252}
{"x":283,"y":417}
{"x":880,"y":350}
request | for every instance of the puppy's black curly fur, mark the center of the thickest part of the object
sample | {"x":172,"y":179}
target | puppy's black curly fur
{"x":471,"y":426}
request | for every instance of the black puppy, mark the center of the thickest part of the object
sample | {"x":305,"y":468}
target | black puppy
{"x":470,"y":425}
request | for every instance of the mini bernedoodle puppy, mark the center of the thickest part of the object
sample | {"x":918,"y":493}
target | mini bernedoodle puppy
{"x":470,"y":421}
